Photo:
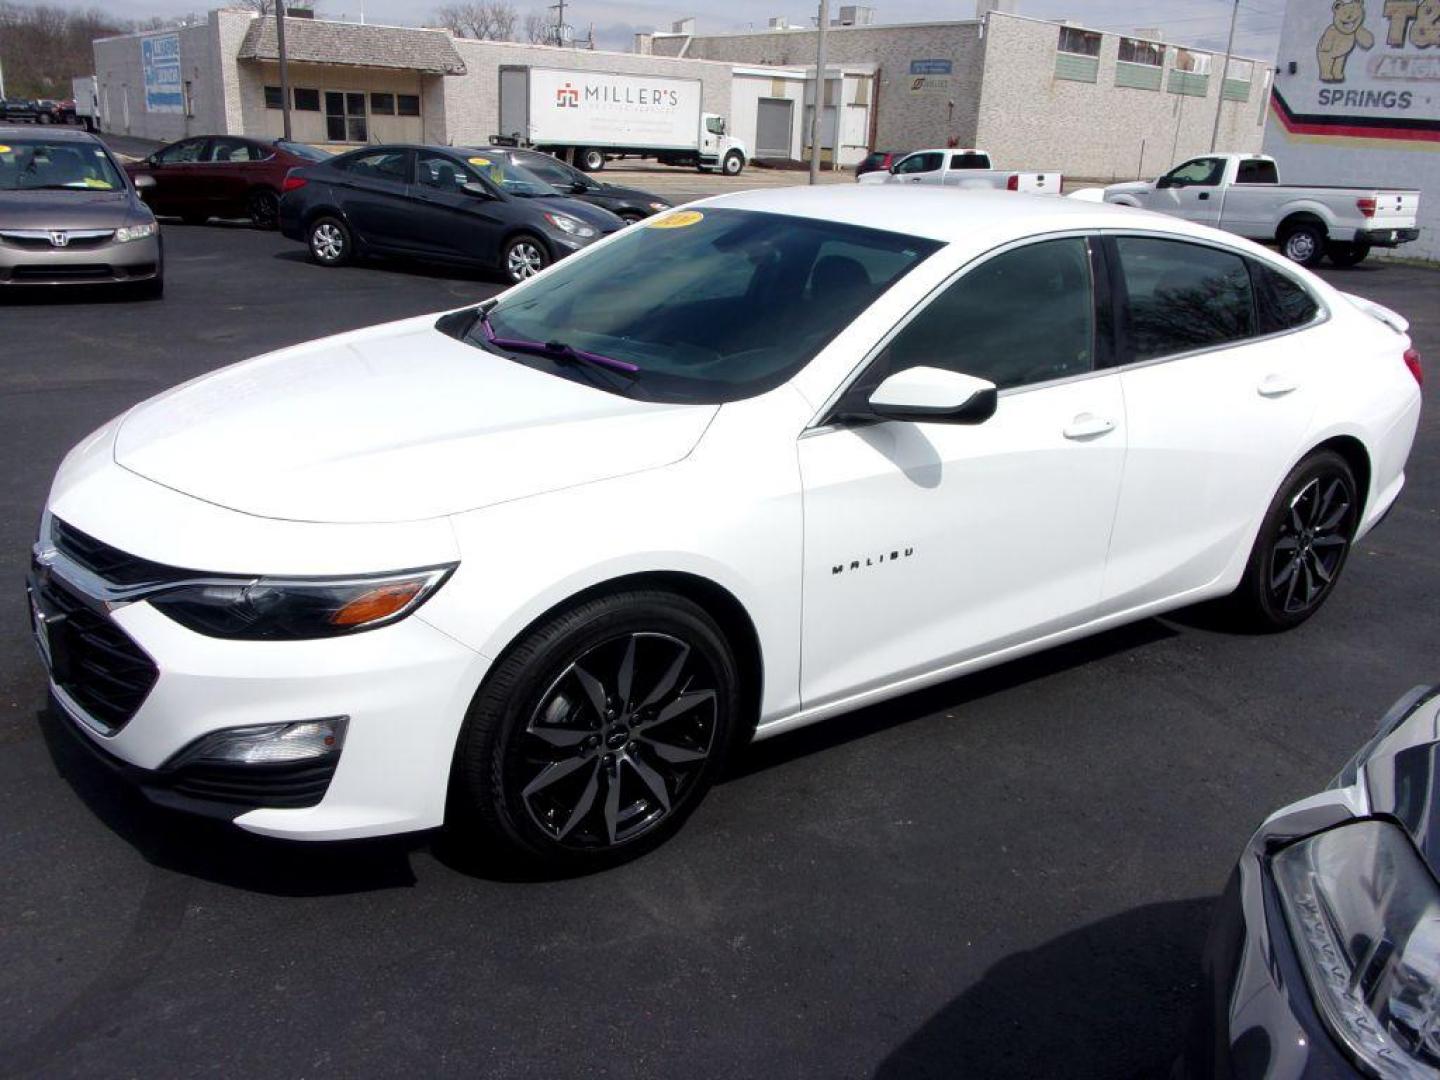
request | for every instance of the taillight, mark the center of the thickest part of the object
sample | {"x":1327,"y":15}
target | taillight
{"x":1013,"y":184}
{"x":1366,"y":207}
{"x":293,"y":182}
{"x":1412,"y":361}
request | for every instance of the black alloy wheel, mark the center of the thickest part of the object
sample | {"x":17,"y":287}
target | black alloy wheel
{"x":595,"y":738}
{"x":264,"y":208}
{"x":1303,"y":544}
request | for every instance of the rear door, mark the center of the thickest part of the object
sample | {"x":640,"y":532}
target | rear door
{"x":234,"y":167}
{"x":372,"y":189}
{"x":1219,"y":391}
{"x":924,"y":167}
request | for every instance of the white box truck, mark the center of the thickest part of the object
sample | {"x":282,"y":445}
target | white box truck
{"x":85,"y":91}
{"x":587,"y":117}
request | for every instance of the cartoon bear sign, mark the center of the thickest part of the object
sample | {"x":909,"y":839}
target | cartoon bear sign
{"x":1346,"y":30}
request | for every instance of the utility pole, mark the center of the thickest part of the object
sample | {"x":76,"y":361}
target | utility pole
{"x":1224,"y":74}
{"x":819,"y":92}
{"x":284,"y":65}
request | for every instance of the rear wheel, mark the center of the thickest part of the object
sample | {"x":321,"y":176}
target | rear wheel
{"x":590,"y":159}
{"x":523,"y":258}
{"x":264,"y":208}
{"x":1302,"y":545}
{"x":330,"y":241}
{"x":1304,"y":243}
{"x":596,"y":736}
{"x":1352,"y":254}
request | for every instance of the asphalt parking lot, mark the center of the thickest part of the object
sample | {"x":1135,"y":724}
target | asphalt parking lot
{"x":1006,"y":876}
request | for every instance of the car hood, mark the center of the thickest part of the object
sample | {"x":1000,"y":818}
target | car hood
{"x":614,"y":191}
{"x":395,"y":423}
{"x":64,"y":209}
{"x":589,"y":213}
{"x":1133,"y":187}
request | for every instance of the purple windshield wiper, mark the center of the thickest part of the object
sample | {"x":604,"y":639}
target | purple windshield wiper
{"x":556,"y":349}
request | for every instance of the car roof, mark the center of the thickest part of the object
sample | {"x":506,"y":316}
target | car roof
{"x":53,"y":133}
{"x":978,"y":219}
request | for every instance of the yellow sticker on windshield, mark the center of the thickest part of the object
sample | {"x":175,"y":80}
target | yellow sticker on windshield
{"x":480,"y":161}
{"x":678,"y":220}
{"x":95,"y":182}
{"x":4,"y":149}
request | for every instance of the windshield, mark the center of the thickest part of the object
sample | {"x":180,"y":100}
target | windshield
{"x":507,"y":176}
{"x":27,"y":164}
{"x":709,"y":305}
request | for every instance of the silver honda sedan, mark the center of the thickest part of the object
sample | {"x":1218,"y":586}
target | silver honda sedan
{"x":70,"y":215}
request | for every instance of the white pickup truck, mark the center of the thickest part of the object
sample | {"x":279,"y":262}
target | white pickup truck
{"x":1242,"y":193}
{"x":961,"y":168}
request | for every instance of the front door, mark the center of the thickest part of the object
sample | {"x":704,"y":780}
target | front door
{"x":1193,"y":191}
{"x":928,"y":544}
{"x":176,"y":189}
{"x":1195,"y":484}
{"x":448,"y":220}
{"x":926,"y":167}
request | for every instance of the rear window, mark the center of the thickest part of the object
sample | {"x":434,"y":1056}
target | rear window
{"x":1257,"y":172}
{"x":713,"y":305}
{"x":1281,"y":302}
{"x":1183,"y":296}
{"x":969,"y":161}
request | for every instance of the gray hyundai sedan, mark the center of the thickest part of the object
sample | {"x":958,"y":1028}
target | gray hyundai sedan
{"x":70,"y":215}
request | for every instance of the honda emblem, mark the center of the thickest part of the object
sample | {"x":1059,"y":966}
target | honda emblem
{"x":59,"y":238}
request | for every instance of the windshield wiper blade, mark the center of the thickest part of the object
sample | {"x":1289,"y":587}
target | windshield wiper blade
{"x":556,"y":350}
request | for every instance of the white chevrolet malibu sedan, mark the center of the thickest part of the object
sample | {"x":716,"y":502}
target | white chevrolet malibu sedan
{"x":537,"y":566}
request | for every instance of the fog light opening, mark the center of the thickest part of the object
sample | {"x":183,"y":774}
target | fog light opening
{"x":267,"y":744}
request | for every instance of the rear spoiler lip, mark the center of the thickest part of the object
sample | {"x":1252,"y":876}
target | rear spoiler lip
{"x":1380,"y":312}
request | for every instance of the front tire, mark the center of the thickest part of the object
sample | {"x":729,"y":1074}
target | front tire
{"x":330,"y":241}
{"x":733,"y":163}
{"x":524,"y":257}
{"x":1302,"y":545}
{"x":1304,"y":243}
{"x":594,"y":738}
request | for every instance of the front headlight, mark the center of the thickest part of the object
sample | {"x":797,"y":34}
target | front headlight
{"x":1364,"y":913}
{"x":567,"y":224}
{"x":279,"y":609}
{"x":126,"y":233}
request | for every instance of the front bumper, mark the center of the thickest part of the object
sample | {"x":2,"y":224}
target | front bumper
{"x":404,"y":688}
{"x":40,"y":263}
{"x":1386,"y":237}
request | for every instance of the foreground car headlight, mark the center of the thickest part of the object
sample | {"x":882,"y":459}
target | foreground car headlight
{"x":1364,"y":913}
{"x":126,"y":233}
{"x":279,"y":609}
{"x":567,"y":224}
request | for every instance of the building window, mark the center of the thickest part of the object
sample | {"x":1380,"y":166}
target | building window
{"x":1238,"y":75}
{"x":1079,"y":42}
{"x":1191,"y":75}
{"x":407,"y":104}
{"x":1192,"y":63}
{"x":274,"y":97}
{"x":189,"y":98}
{"x":307,"y":100}
{"x":1135,"y":51}
{"x":382,"y":104}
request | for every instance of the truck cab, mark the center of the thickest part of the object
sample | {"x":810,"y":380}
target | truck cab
{"x":717,"y":149}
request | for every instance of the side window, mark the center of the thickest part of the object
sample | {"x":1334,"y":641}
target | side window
{"x":181,"y":153}
{"x":1281,"y":302}
{"x":441,"y":172}
{"x":383,"y":165}
{"x":548,"y":169}
{"x":1022,"y":317}
{"x":1255,"y":171}
{"x":1183,"y":296}
{"x":969,"y":161}
{"x":1203,"y":172}
{"x":223,"y":150}
{"x":920,"y":163}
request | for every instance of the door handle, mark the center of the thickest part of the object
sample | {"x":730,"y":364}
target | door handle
{"x":1086,"y":426}
{"x":1274,"y":386}
{"x":1204,"y":196}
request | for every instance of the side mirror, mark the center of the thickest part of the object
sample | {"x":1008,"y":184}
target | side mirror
{"x":936,"y":396}
{"x":144,"y":182}
{"x":474,"y":187}
{"x":579,"y":187}
{"x":1164,"y":182}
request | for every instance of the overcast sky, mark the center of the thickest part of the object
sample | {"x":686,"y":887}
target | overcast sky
{"x":1194,"y":22}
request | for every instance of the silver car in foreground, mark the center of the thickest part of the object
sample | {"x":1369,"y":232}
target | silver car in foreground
{"x":70,"y":215}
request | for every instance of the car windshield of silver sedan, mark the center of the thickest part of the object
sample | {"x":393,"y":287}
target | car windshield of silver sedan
{"x":707,"y":305}
{"x":31,"y":164}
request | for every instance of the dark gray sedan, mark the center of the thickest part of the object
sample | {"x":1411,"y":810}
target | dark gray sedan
{"x":1324,"y":955}
{"x":70,"y":215}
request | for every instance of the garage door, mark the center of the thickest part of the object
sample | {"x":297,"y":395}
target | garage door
{"x":773,"y":127}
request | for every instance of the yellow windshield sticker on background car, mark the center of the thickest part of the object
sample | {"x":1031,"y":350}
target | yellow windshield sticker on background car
{"x":678,"y":220}
{"x":481,"y":161}
{"x":95,"y":182}
{"x":4,"y":149}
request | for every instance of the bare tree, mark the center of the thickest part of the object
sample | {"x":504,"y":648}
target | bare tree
{"x":488,"y":20}
{"x":267,"y":7}
{"x":537,"y":30}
